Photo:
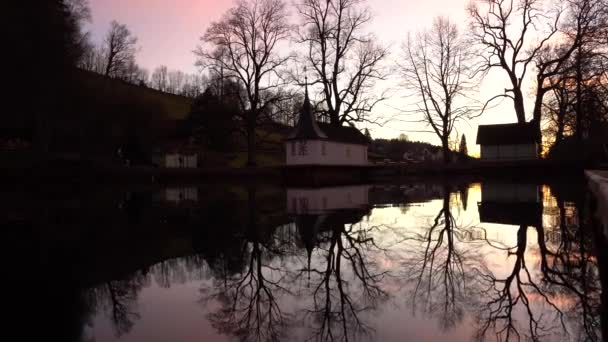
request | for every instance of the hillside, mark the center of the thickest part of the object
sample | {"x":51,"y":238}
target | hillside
{"x":176,"y":107}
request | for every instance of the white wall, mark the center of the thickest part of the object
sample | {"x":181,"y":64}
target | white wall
{"x":508,"y":152}
{"x":334,"y":153}
{"x":509,"y":192}
{"x":188,"y":161}
{"x":310,"y":201}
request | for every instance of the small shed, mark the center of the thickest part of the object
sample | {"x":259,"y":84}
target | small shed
{"x":178,"y":155}
{"x":508,"y":141}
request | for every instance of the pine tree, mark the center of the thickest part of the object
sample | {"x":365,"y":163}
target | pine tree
{"x":369,"y":136}
{"x":463,"y":146}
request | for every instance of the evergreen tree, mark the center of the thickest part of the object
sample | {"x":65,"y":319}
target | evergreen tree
{"x":369,"y":136}
{"x":463,"y":146}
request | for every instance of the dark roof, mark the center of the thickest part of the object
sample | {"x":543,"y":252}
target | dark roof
{"x":524,"y":213}
{"x":346,"y":134}
{"x":502,"y":134}
{"x":309,"y":128}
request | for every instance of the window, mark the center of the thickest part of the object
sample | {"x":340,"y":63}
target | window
{"x":293,"y":148}
{"x":303,"y":205}
{"x":302,"y":148}
{"x":323,"y":148}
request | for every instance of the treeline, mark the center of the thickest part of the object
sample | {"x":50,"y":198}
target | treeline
{"x":558,"y":49}
{"x":552,"y":52}
{"x":115,"y":57}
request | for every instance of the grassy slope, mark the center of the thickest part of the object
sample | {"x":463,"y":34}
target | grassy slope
{"x":177,"y":107}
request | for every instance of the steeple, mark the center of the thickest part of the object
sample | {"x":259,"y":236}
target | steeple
{"x":307,"y":127}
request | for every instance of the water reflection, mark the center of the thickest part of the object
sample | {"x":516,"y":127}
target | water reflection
{"x":490,"y":261}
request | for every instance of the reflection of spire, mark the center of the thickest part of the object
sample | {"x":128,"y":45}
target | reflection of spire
{"x":309,"y":254}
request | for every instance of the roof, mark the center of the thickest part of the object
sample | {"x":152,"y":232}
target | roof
{"x":502,"y":134}
{"x":308,"y":128}
{"x":345,"y":134}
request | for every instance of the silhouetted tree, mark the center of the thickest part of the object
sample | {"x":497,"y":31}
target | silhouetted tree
{"x":212,"y":120}
{"x":345,"y":61}
{"x":463,"y":146}
{"x":47,"y":41}
{"x":436,"y":70}
{"x":243,"y":47}
{"x":119,"y":46}
{"x":160,"y":78}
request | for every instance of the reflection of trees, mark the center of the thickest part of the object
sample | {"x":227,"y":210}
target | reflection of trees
{"x":119,"y":299}
{"x":439,"y":265}
{"x":249,"y":307}
{"x":564,"y":291}
{"x":347,"y":283}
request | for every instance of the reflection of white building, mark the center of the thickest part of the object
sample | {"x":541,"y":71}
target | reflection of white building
{"x":321,"y":211}
{"x":509,"y":192}
{"x":314,"y":201}
{"x":510,"y":203}
{"x":177,"y":195}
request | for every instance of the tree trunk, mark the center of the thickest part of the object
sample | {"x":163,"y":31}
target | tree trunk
{"x":559,"y":135}
{"x":579,"y":96}
{"x":251,"y":153}
{"x":446,"y":150}
{"x":110,"y":64}
{"x":518,"y":103}
{"x":334,"y":119}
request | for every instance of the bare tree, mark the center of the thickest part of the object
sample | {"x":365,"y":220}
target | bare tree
{"x":243,"y":46}
{"x":435,"y":68}
{"x":143,"y":76}
{"x":504,"y":30}
{"x":120,"y":46}
{"x":176,"y":82}
{"x":159,"y":78}
{"x":93,"y":60}
{"x":346,"y":61}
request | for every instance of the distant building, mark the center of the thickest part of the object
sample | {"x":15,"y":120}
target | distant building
{"x":508,"y":141}
{"x":315,"y":143}
{"x":435,"y":155}
{"x":178,"y":155}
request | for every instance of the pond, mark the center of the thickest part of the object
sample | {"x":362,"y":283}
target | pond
{"x":425,"y":261}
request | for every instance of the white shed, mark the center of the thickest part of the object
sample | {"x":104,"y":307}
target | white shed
{"x":508,"y":141}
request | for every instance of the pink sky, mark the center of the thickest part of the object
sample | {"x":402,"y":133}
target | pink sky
{"x":168,"y":31}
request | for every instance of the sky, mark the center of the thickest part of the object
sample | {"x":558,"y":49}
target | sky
{"x":168,"y":31}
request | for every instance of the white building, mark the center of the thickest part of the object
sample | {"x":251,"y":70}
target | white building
{"x":315,"y":143}
{"x":508,"y":141}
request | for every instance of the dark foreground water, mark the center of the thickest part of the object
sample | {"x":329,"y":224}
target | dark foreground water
{"x":411,"y":262}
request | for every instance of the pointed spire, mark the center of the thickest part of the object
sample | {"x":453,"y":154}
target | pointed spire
{"x":306,"y":86}
{"x":307,"y":127}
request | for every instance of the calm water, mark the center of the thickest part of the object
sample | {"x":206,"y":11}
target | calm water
{"x":418,"y":262}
